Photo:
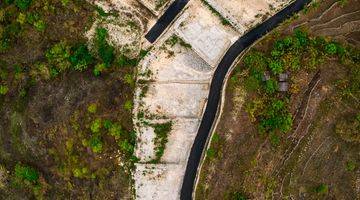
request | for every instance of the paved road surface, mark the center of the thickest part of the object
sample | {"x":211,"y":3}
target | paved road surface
{"x":165,"y":20}
{"x":217,"y":81}
{"x":216,"y":86}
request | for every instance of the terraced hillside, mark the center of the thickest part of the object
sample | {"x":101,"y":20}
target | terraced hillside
{"x":289,"y":126}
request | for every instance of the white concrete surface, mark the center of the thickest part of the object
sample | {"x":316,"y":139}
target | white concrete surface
{"x":245,"y":14}
{"x":178,"y":89}
{"x":208,"y":37}
{"x":158,"y":181}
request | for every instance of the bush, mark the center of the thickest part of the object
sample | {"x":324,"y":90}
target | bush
{"x":3,"y":89}
{"x":26,"y":173}
{"x":275,"y":117}
{"x":58,"y":56}
{"x":123,"y":61}
{"x":96,"y":144}
{"x":321,"y":189}
{"x":80,"y":172}
{"x":128,"y":105}
{"x":92,"y":108}
{"x":105,"y":51}
{"x":116,"y":130}
{"x":40,"y":25}
{"x":252,"y":83}
{"x":23,"y":4}
{"x":237,"y":196}
{"x":80,"y":57}
{"x":350,"y":166}
{"x":348,"y":129}
{"x":129,"y":80}
{"x":211,"y":153}
{"x":271,"y":86}
{"x":256,"y":62}
{"x":331,"y":49}
{"x":276,"y":66}
{"x":161,"y":138}
{"x":107,"y":124}
{"x":95,"y":126}
{"x":99,"y":68}
{"x":126,"y":147}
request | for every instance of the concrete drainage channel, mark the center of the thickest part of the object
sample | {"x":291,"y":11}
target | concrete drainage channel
{"x":184,"y":29}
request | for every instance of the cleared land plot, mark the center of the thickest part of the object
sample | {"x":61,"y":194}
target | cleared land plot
{"x":202,"y":29}
{"x":245,"y":14}
{"x":174,"y":64}
{"x":158,"y":181}
{"x":176,"y":99}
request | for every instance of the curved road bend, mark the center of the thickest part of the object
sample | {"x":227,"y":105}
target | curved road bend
{"x":216,"y":86}
{"x":165,"y":20}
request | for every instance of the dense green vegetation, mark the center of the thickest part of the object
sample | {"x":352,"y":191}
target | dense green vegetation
{"x":59,"y":131}
{"x":269,"y":107}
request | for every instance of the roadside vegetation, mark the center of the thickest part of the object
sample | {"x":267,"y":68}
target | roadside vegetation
{"x":162,"y":131}
{"x":224,"y":21}
{"x":290,"y":123}
{"x":269,"y":108}
{"x":66,"y":125}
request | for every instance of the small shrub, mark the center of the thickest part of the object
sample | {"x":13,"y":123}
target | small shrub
{"x":216,"y":137}
{"x":23,"y":4}
{"x":115,"y":130}
{"x":80,"y":172}
{"x":95,"y":126}
{"x":237,"y":196}
{"x":271,"y":86}
{"x":58,"y":56}
{"x":126,"y":147}
{"x":3,"y":89}
{"x":96,"y":144}
{"x":350,"y":166}
{"x":40,"y":25}
{"x":128,"y":78}
{"x":211,"y":153}
{"x":105,"y":51}
{"x":124,"y":61}
{"x":92,"y":108}
{"x":128,"y":105}
{"x":80,"y":57}
{"x":107,"y":124}
{"x":3,"y":177}
{"x":98,"y":69}
{"x":161,"y":132}
{"x":321,"y":189}
{"x":26,"y":173}
{"x":276,"y":66}
{"x":331,"y":49}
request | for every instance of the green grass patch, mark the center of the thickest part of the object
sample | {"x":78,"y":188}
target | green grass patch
{"x":162,"y":131}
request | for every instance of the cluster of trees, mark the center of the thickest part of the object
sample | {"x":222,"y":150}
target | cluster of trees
{"x":25,"y":176}
{"x":299,"y":51}
{"x":14,"y":15}
{"x":62,"y":57}
{"x":98,"y":127}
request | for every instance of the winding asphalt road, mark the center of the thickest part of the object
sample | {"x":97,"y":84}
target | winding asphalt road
{"x":217,"y":81}
{"x":165,"y":20}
